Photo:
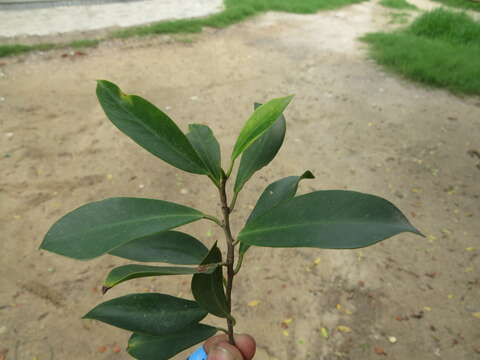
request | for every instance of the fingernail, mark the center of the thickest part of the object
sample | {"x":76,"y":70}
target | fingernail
{"x":220,"y":353}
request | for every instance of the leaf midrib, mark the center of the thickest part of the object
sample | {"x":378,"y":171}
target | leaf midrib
{"x":151,"y":131}
{"x":205,"y":151}
{"x":112,"y":225}
{"x":284,"y":227}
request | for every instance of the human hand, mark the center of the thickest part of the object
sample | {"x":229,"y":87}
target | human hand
{"x":218,"y":348}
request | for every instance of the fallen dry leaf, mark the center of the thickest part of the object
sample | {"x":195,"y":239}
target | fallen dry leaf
{"x":344,"y":329}
{"x":379,"y":351}
{"x":253,"y":303}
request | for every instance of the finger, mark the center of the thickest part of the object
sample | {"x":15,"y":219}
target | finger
{"x":224,"y":351}
{"x":213,"y":341}
{"x":245,"y":343}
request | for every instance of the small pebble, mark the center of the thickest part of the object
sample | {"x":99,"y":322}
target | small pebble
{"x":141,"y":186}
{"x":184,"y":191}
{"x":392,"y":339}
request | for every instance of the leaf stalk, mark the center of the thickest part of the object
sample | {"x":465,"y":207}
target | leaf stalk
{"x":214,"y":219}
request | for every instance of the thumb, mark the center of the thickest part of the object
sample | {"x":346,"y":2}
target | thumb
{"x":224,"y":351}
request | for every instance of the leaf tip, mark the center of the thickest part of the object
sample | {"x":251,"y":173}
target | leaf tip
{"x":101,"y":82}
{"x":416,"y":231}
{"x":88,"y":315}
{"x":308,"y":175}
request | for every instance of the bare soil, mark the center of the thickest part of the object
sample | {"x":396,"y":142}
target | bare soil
{"x":353,"y":125}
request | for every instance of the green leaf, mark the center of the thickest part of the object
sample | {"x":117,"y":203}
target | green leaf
{"x":332,"y":219}
{"x":99,"y":227}
{"x":134,"y":271}
{"x":149,"y":127}
{"x":149,"y":314}
{"x":278,"y":191}
{"x":261,"y":152}
{"x":206,"y":145}
{"x":172,"y":247}
{"x":208,"y":290}
{"x":144,"y":347}
{"x":260,"y":121}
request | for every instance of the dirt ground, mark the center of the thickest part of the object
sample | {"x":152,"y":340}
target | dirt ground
{"x":353,"y":125}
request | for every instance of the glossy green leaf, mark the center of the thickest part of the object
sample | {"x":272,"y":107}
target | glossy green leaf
{"x":149,"y":127}
{"x":278,"y":191}
{"x":332,"y":219}
{"x":260,"y":121}
{"x":208,"y":149}
{"x":144,"y":347}
{"x":172,"y":247}
{"x":99,"y":227}
{"x":149,"y":314}
{"x":261,"y":152}
{"x":134,"y":271}
{"x":207,"y":289}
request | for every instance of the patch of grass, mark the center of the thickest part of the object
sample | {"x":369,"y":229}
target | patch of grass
{"x":235,"y":11}
{"x":16,"y":49}
{"x":462,"y":4}
{"x":79,"y":44}
{"x":398,"y":4}
{"x":399,"y":18}
{"x":440,"y":48}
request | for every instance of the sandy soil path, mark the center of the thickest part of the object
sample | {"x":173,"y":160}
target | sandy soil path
{"x":53,"y":20}
{"x":352,"y":124}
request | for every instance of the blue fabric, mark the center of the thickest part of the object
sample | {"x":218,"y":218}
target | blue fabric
{"x":199,"y":354}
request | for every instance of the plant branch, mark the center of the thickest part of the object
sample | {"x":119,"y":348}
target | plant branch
{"x":230,"y":254}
